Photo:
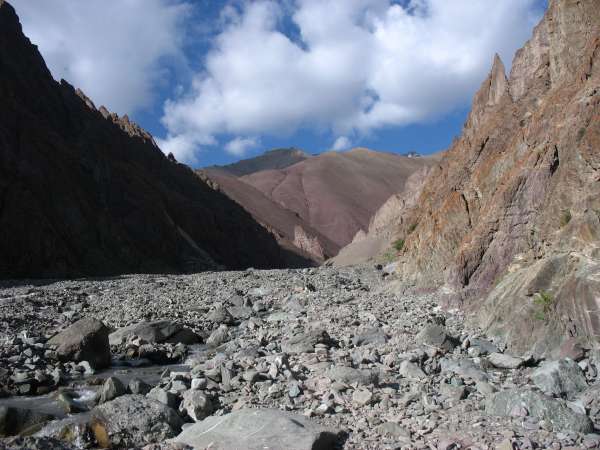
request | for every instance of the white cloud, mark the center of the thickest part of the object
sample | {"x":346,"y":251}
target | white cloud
{"x":239,"y":146}
{"x":358,"y":65}
{"x":342,"y":143}
{"x":114,"y":50}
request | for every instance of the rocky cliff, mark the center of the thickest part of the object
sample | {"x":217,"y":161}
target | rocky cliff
{"x":85,"y":192}
{"x":509,"y":223}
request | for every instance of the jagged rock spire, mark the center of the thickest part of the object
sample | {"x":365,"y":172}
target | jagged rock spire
{"x":492,"y":91}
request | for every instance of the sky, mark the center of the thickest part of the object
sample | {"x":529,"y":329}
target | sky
{"x":216,"y":81}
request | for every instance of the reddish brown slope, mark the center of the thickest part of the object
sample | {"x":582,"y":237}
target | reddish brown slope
{"x":512,"y":216}
{"x":291,"y":231}
{"x":338,"y":193}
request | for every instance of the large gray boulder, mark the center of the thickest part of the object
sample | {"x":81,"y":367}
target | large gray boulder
{"x":561,"y":378}
{"x":257,"y":429}
{"x":436,"y":336}
{"x":85,"y":340}
{"x":155,"y":332}
{"x":505,"y":361}
{"x":506,"y":403}
{"x":305,"y":342}
{"x":196,"y":404}
{"x":111,"y":389}
{"x":133,"y":421}
{"x":373,"y":336}
{"x":463,"y":367}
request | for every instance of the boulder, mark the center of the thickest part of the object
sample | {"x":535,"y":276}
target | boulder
{"x":436,"y":336}
{"x":484,"y":346}
{"x":305,"y":342}
{"x":371,"y":336}
{"x":196,"y":404}
{"x":257,"y":429}
{"x":137,"y":386}
{"x":133,"y":421}
{"x":350,"y":375}
{"x":220,"y":315}
{"x":111,"y":389}
{"x":15,"y":420}
{"x":155,"y":332}
{"x":561,"y":378}
{"x":218,"y":337}
{"x":163,"y":396}
{"x":505,"y":361}
{"x":411,"y":370}
{"x":85,"y":340}
{"x":464,"y":368}
{"x":555,"y":412}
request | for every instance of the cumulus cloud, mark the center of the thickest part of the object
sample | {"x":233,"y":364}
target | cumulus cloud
{"x":239,"y":146}
{"x":117,"y":51}
{"x":344,"y":66}
{"x":341,"y":143}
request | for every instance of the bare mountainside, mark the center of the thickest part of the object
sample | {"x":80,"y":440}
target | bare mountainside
{"x":291,"y":231}
{"x":509,"y":223}
{"x":337,"y":193}
{"x":84,"y":192}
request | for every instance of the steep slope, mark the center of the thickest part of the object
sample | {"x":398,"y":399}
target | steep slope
{"x":509,"y":223}
{"x":378,"y":243}
{"x":279,"y":158}
{"x":291,"y":231}
{"x":338,"y":193}
{"x":83,"y":192}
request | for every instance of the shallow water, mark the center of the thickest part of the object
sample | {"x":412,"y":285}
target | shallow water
{"x":85,"y":393}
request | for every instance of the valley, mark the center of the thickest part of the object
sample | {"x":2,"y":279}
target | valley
{"x":336,"y":350}
{"x":347,"y":299}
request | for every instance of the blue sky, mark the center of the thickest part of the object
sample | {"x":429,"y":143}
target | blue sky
{"x":217,"y":81}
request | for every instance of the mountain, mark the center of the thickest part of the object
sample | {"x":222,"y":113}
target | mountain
{"x":337,"y":193}
{"x":291,"y":231}
{"x":316,"y":205}
{"x":84,"y":192}
{"x":279,"y":158}
{"x":508,"y":224}
{"x":377,"y":243}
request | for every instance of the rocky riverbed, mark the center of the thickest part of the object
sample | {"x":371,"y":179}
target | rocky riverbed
{"x":286,"y":359}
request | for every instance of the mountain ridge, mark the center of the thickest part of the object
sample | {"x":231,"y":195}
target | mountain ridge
{"x":85,"y":192}
{"x":508,"y":216}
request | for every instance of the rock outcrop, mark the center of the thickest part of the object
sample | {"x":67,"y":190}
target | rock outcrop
{"x":509,"y":223}
{"x":85,"y":192}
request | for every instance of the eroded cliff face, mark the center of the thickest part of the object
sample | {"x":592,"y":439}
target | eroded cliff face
{"x":85,"y":192}
{"x":520,"y":191}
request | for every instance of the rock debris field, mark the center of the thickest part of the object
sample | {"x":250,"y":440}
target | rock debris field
{"x":323,"y":358}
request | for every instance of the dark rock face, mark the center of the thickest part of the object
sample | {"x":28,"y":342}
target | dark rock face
{"x":85,"y":340}
{"x":513,"y":210}
{"x":84,"y":192}
{"x":16,"y":420}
